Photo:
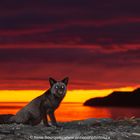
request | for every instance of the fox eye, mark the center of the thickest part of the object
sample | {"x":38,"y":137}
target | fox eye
{"x":56,"y":87}
{"x":62,"y":86}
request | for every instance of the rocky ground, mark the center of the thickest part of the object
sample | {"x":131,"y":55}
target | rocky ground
{"x":90,"y":129}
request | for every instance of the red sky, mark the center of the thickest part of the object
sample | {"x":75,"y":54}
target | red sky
{"x":95,"y":43}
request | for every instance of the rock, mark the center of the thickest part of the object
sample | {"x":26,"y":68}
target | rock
{"x":69,"y":133}
{"x":106,"y":129}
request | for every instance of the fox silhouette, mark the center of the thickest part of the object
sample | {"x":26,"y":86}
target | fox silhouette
{"x":40,"y":107}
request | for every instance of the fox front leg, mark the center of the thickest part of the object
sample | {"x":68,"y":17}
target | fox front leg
{"x":45,"y":119}
{"x":52,"y":118}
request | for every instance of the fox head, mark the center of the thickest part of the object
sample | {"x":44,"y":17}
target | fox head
{"x":58,"y":88}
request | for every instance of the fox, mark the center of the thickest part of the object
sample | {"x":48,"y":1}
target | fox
{"x":41,"y":107}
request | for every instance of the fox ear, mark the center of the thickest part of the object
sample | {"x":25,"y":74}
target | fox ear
{"x":52,"y":81}
{"x":65,"y":80}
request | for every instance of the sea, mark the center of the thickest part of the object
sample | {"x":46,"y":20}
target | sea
{"x":76,"y":111}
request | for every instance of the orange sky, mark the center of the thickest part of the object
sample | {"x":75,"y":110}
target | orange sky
{"x":72,"y":95}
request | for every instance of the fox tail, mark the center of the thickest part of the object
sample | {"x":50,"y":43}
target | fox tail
{"x":5,"y":118}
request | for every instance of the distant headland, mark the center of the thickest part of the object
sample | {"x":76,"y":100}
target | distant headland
{"x":117,"y":98}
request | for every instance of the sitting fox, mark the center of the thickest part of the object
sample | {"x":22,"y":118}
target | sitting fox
{"x":38,"y":109}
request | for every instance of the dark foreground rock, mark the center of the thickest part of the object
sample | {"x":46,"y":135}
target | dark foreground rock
{"x":90,"y":129}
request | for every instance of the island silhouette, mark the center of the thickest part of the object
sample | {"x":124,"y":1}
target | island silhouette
{"x":118,"y":99}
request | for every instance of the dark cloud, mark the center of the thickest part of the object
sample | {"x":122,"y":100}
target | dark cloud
{"x":106,"y":35}
{"x":77,"y":22}
{"x":80,"y":56}
{"x":86,"y":68}
{"x":96,"y":43}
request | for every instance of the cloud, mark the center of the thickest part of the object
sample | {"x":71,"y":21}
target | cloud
{"x":30,"y":68}
{"x":71,"y":55}
{"x":96,"y":43}
{"x":76,"y":35}
{"x":80,"y":22}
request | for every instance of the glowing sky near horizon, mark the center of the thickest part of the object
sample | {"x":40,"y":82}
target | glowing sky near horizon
{"x":72,"y":95}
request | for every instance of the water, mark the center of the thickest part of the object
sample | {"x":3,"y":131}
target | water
{"x":76,"y":111}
